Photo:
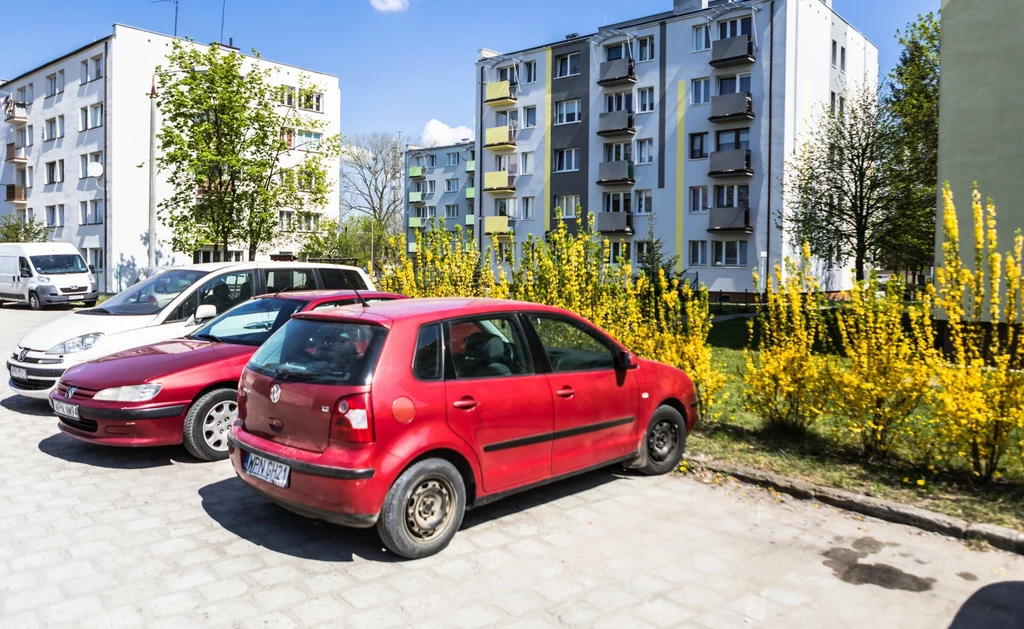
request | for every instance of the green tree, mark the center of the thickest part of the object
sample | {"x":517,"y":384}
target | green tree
{"x":14,"y":229}
{"x":226,"y":132}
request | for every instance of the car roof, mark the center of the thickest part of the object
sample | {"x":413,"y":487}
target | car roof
{"x":432,"y":309}
{"x":331,"y":295}
{"x":216,"y":266}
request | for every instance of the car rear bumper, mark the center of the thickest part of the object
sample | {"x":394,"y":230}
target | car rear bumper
{"x":349,"y":496}
{"x":126,"y":427}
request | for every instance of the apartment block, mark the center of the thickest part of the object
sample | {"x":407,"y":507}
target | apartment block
{"x":677,"y":123}
{"x":440,"y":183}
{"x":92,"y":105}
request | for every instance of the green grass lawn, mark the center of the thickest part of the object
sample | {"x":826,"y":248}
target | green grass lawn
{"x":818,"y":458}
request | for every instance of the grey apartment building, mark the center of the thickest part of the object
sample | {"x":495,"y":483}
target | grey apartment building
{"x":681,"y":121}
{"x":440,"y":183}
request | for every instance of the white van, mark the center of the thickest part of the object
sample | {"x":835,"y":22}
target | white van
{"x":160,"y":308}
{"x":45,"y":273}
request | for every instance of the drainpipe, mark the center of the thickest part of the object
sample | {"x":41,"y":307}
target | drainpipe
{"x":771,"y":108}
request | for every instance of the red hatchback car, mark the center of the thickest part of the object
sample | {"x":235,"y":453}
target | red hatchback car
{"x":404,"y":414}
{"x":184,"y":389}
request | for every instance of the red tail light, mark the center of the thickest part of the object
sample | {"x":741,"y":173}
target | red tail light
{"x":352,"y":419}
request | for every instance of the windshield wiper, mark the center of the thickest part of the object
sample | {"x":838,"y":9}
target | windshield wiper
{"x":95,"y":310}
{"x":208,"y":337}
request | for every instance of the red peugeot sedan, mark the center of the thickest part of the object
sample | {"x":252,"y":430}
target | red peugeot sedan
{"x":404,"y":414}
{"x":183,"y":390}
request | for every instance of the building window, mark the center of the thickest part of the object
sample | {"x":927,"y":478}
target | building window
{"x":55,"y":84}
{"x":286,"y":95}
{"x":842,"y":59}
{"x":645,"y":151}
{"x":431,"y":187}
{"x":618,"y":151}
{"x":698,"y":145}
{"x":617,"y":51}
{"x":504,"y":252}
{"x":311,"y":101}
{"x":531,"y":72}
{"x":96,"y":258}
{"x":91,"y":69}
{"x":644,"y":201}
{"x":431,"y":211}
{"x":832,"y":106}
{"x":698,"y":253}
{"x":451,"y":211}
{"x":96,"y":116}
{"x":527,"y":207}
{"x":308,"y":140}
{"x":621,"y":101}
{"x":734,"y":139}
{"x":90,"y":212}
{"x":701,"y":38}
{"x":97,"y":67}
{"x":729,"y":253}
{"x":643,"y":250}
{"x":645,"y":46}
{"x":835,"y":52}
{"x":50,"y":130}
{"x":646,"y":97}
{"x":451,"y":185}
{"x":453,"y":159}
{"x":698,"y":199}
{"x":510,"y":74}
{"x":55,"y":216}
{"x":568,"y":111}
{"x":842,"y":106}
{"x":734,"y":84}
{"x":732,"y":196}
{"x":55,"y":171}
{"x":83,"y":164}
{"x":29,"y":176}
{"x":529,"y":117}
{"x":619,"y":252}
{"x":735,"y":27}
{"x":618,"y":202}
{"x":568,"y":204}
{"x":567,"y":160}
{"x":700,"y":93}
{"x":505,"y":207}
{"x":431,"y":161}
{"x":567,"y":65}
{"x":526,"y":164}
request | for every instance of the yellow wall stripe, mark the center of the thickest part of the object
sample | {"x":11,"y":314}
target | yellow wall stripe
{"x":680,"y":162}
{"x":546,"y":148}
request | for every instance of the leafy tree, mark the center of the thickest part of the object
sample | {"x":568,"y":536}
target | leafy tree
{"x":14,"y":229}
{"x":226,"y":135}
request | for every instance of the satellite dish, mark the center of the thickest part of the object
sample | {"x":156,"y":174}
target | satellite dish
{"x":94,"y":170}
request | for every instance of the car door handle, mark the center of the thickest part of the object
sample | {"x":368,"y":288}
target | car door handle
{"x":565,"y":392}
{"x":465,"y":403}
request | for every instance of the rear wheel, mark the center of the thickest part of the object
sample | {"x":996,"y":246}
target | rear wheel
{"x":205,"y":432}
{"x":664,"y":442}
{"x":423,"y":510}
{"x":33,"y":301}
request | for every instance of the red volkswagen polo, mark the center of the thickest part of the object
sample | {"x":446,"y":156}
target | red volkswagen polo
{"x":184,"y":389}
{"x":404,"y":414}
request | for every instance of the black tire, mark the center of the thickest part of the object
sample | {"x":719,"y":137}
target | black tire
{"x":424,"y":488}
{"x":205,"y":433}
{"x":664,"y":442}
{"x":90,"y":304}
{"x":33,"y":301}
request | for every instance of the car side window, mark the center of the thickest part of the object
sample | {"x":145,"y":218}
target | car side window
{"x":227,"y":291}
{"x":570,"y":346}
{"x":341,"y":279}
{"x":278,"y":280}
{"x":427,"y":363}
{"x":23,"y":267}
{"x":488,"y":347}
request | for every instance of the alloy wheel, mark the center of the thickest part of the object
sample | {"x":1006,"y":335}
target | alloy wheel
{"x":217,"y":423}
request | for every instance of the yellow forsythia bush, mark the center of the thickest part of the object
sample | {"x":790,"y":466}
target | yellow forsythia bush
{"x":783,"y":381}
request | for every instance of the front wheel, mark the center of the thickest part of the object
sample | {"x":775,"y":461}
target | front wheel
{"x":90,"y":304}
{"x":33,"y":301}
{"x":664,"y":442}
{"x":205,"y":432}
{"x":423,"y":509}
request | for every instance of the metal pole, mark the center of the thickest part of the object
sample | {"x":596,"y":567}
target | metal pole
{"x":152,"y":173}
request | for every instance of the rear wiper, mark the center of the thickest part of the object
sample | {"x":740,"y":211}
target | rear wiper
{"x":283,"y":372}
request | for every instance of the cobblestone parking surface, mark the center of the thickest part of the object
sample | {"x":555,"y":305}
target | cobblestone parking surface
{"x":93,"y":537}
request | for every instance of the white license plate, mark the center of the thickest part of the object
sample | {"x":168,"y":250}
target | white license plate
{"x":264,"y":469}
{"x":19,"y":372}
{"x":65,"y":410}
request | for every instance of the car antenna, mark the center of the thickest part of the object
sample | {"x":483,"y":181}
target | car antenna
{"x":359,"y":297}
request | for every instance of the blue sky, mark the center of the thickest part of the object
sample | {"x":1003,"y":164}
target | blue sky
{"x":398,"y":69}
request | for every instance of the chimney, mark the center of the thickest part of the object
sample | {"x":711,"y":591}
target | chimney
{"x":689,"y":6}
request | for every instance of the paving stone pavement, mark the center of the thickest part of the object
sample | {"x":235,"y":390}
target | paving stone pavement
{"x":93,"y":537}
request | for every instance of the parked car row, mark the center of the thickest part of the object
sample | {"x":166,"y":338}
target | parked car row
{"x":365,"y":408}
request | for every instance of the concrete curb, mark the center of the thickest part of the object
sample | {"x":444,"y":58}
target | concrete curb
{"x":1004,"y":538}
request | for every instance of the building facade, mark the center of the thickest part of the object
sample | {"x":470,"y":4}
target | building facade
{"x":676,"y":124}
{"x":92,"y":105}
{"x":440,"y":183}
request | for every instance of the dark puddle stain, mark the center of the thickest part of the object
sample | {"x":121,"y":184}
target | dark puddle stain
{"x":845,"y":565}
{"x":967,"y":576}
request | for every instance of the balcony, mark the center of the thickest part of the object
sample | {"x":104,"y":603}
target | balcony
{"x":500,"y":181}
{"x":618,"y":173}
{"x":16,"y":194}
{"x":415,"y":197}
{"x":729,"y":107}
{"x":731,"y":164}
{"x":501,"y":94}
{"x":470,"y":219}
{"x":471,"y":166}
{"x":616,"y":72}
{"x":16,"y":113}
{"x":729,"y":219}
{"x":417,"y":222}
{"x":417,"y":172}
{"x":470,"y":193}
{"x":500,"y":138}
{"x":16,"y":154}
{"x":495,"y":225}
{"x":616,"y":123}
{"x":734,"y":51}
{"x":615,"y":222}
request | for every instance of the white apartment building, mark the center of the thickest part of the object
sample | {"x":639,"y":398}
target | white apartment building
{"x":440,"y":182}
{"x":92,"y":105}
{"x":684,"y":119}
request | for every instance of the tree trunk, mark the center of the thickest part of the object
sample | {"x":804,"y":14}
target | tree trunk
{"x":859,"y":262}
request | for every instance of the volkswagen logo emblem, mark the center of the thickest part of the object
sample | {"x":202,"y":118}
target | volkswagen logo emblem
{"x":23,"y":354}
{"x":70,"y":393}
{"x":275,"y":393}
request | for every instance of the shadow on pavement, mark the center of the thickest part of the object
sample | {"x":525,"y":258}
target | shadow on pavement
{"x":996,"y":606}
{"x":28,"y":406}
{"x":64,"y":447}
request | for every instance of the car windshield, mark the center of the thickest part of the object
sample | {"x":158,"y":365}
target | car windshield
{"x":321,"y":352}
{"x":250,"y":323}
{"x":151,"y":295}
{"x":60,"y":264}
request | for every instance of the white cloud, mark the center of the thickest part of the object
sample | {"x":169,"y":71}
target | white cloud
{"x":390,"y":6}
{"x":437,"y":133}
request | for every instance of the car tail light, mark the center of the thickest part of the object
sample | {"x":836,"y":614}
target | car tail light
{"x":352,"y":419}
{"x":243,"y":397}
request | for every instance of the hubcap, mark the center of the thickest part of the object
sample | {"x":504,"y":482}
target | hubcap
{"x":217,"y":423}
{"x":428,"y":510}
{"x":661,"y":443}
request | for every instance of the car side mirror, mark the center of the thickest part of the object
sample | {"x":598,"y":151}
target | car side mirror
{"x":627,"y":360}
{"x":92,"y":268}
{"x":26,"y":273}
{"x":205,"y":312}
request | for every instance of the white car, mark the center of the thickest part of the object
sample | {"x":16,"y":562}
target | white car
{"x":159,"y":308}
{"x":45,"y":273}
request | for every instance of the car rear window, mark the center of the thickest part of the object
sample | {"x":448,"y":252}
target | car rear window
{"x":342,"y":279}
{"x":321,"y":352}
